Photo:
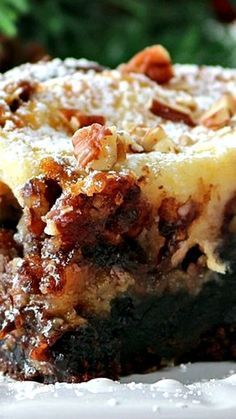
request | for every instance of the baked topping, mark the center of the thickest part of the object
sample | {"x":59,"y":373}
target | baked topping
{"x":98,"y":147}
{"x":154,"y":62}
{"x":156,"y":139}
{"x":171,"y":112}
{"x":220,"y":112}
{"x":106,"y":214}
{"x":75,"y":119}
{"x":19,"y":93}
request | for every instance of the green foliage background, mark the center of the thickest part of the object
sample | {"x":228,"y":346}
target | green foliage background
{"x":110,"y":31}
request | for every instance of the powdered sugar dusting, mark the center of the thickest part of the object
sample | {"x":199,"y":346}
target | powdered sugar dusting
{"x":124,"y":101}
{"x":108,"y":399}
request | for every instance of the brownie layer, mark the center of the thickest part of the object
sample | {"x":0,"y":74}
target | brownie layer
{"x":143,"y":330}
{"x":147,"y":333}
{"x":141,"y":334}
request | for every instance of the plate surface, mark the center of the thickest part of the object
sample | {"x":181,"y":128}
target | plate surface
{"x":194,"y":390}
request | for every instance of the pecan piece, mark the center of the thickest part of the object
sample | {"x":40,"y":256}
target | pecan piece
{"x":75,"y":119}
{"x":19,"y":94}
{"x":172,"y":112}
{"x":220,"y":112}
{"x":154,"y":62}
{"x":98,"y":147}
{"x":156,"y":139}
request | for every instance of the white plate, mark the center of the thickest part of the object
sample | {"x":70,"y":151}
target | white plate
{"x":198,"y":391}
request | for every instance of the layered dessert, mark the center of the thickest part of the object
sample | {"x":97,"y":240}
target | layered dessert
{"x":117,"y":216}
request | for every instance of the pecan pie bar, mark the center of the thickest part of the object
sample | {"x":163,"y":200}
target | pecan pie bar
{"x":117,"y":216}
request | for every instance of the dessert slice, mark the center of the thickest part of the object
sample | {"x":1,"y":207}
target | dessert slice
{"x":117,"y":212}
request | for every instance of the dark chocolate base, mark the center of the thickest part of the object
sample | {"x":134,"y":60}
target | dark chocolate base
{"x":150,"y":332}
{"x":144,"y":332}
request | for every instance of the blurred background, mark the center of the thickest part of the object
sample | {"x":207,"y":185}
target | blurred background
{"x":111,"y":31}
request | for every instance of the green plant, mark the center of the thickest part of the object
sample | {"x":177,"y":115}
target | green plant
{"x":110,"y":31}
{"x":10,"y":12}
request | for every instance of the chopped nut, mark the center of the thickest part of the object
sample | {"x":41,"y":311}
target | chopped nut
{"x":166,"y":145}
{"x":19,"y":94}
{"x":172,"y":112}
{"x":220,"y":112}
{"x":75,"y":119}
{"x":187,"y":102}
{"x":154,"y":62}
{"x":156,"y":139}
{"x":98,"y":147}
{"x":186,"y":140}
{"x":134,"y":147}
{"x":152,"y":137}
